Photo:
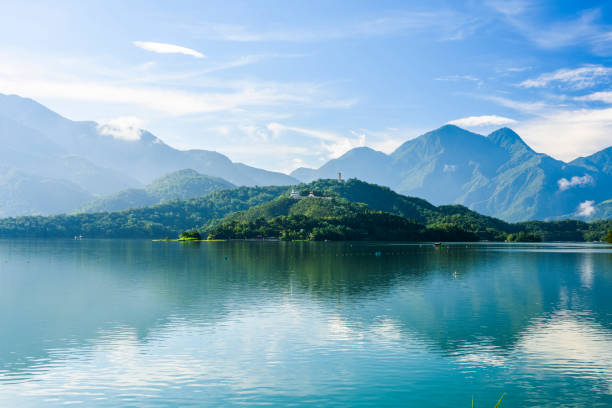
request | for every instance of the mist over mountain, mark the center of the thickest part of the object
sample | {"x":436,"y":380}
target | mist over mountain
{"x":497,"y":175}
{"x":89,"y":159}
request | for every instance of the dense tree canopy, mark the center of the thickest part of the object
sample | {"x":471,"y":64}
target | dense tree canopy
{"x":355,"y":210}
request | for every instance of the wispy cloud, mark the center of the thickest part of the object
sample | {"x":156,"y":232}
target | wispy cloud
{"x":578,"y":78}
{"x":457,"y":78}
{"x":528,"y":107}
{"x":163,"y":48}
{"x":174,"y":93}
{"x":449,"y":25}
{"x":334,"y":144}
{"x":583,"y":30}
{"x":484,"y":120}
{"x":170,"y":101}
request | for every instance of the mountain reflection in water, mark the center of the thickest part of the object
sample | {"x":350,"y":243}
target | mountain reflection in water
{"x":110,"y":323}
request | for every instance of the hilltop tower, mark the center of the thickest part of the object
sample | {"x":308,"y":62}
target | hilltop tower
{"x":339,"y":177}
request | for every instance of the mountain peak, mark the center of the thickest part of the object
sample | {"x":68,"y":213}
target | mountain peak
{"x":450,"y":129}
{"x":509,"y":140}
{"x":454,"y":133}
{"x":602,"y":160}
{"x":363,"y":152}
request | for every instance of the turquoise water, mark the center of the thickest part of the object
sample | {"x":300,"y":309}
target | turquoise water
{"x":138,"y":323}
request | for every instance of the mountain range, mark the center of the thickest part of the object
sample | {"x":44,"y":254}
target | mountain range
{"x":50,"y":164}
{"x":497,"y":175}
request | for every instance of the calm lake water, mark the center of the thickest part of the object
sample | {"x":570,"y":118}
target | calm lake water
{"x":139,"y":323}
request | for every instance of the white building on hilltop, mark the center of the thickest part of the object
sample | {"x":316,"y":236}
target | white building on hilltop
{"x":295,"y":195}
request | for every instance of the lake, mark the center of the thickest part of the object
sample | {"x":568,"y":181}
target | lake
{"x":105,"y":323}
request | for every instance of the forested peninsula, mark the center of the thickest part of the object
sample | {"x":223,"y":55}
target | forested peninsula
{"x":320,"y":210}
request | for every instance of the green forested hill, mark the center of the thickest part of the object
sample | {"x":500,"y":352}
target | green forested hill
{"x":157,"y":221}
{"x":312,"y":218}
{"x":355,"y":210}
{"x":182,"y":185}
{"x":327,"y":219}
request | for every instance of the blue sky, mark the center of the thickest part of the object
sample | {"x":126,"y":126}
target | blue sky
{"x":283,"y":84}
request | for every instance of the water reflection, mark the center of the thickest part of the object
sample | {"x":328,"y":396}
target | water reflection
{"x":112,"y":323}
{"x":587,"y":271}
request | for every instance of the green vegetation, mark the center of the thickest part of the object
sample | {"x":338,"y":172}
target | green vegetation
{"x":608,"y":238}
{"x":190,"y":235}
{"x":355,"y":211}
{"x":523,"y":236}
{"x":182,"y":185}
{"x":158,"y":221}
{"x":318,"y":219}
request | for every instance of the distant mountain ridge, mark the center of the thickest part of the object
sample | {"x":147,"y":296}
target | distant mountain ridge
{"x":91,"y":160}
{"x":497,"y":175}
{"x":179,"y":185}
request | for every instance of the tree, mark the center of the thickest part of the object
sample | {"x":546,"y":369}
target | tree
{"x":189,"y":235}
{"x":608,"y":238}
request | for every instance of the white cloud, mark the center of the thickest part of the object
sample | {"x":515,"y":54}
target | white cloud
{"x":124,"y":128}
{"x":559,"y":131}
{"x":586,"y":209}
{"x":449,"y":168}
{"x":578,"y":78}
{"x":567,"y":134}
{"x":604,"y":96}
{"x":163,"y":48}
{"x":484,"y":120}
{"x":338,"y":144}
{"x":565,"y":184}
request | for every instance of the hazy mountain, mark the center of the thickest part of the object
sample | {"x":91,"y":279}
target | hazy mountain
{"x":131,"y":151}
{"x":31,"y":151}
{"x":350,"y":164}
{"x":182,"y":184}
{"x":20,"y":194}
{"x":497,"y":175}
{"x":100,"y":159}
